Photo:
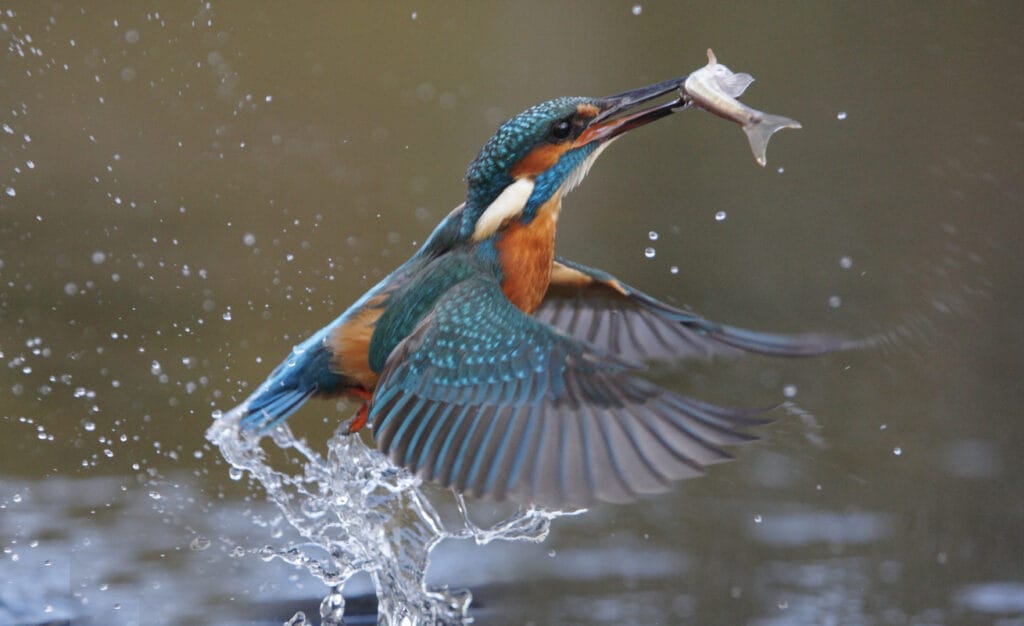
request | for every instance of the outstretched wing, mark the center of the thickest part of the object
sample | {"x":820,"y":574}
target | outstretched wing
{"x":593,"y":306}
{"x":489,"y":401}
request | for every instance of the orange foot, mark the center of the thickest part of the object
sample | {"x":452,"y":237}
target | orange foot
{"x":363,"y":415}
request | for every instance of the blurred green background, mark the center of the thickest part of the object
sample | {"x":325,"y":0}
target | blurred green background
{"x":188,"y":189}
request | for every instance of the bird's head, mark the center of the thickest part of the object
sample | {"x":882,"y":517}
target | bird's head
{"x":546,"y":150}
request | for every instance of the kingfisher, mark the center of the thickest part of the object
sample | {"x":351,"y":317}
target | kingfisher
{"x":487,"y":364}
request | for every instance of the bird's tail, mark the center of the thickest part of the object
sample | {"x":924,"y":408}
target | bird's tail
{"x":268,"y":407}
{"x":305,"y":373}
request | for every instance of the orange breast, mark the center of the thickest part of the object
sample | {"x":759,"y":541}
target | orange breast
{"x":527,"y":253}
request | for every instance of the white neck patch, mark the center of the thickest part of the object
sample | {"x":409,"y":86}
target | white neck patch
{"x":509,"y":204}
{"x":576,"y":176}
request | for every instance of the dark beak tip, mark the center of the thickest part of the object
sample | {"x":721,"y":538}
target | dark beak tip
{"x":649,"y":92}
{"x":622,"y":102}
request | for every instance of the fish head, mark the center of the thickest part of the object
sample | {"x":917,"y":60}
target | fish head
{"x":728,"y":82}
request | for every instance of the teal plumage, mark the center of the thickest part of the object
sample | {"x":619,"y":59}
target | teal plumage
{"x":489,"y":173}
{"x":490,"y":366}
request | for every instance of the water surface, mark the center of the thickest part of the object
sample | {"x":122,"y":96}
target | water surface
{"x":187,"y":190}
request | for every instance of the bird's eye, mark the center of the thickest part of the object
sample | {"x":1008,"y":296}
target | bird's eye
{"x":561,"y":130}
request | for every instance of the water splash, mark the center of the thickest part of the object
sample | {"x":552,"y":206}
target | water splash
{"x":356,"y":512}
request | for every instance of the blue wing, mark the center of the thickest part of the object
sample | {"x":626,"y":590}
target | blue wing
{"x":489,"y":401}
{"x":595,"y":307}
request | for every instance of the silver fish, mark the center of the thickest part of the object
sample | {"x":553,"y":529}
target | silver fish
{"x":715,"y":88}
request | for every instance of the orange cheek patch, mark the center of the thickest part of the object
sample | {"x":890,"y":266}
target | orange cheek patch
{"x":540,"y":159}
{"x":587,"y":110}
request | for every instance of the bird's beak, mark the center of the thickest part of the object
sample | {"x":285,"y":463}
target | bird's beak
{"x":615,"y":117}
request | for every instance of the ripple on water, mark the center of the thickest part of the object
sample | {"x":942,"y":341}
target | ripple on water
{"x":809,"y":527}
{"x":995,"y":597}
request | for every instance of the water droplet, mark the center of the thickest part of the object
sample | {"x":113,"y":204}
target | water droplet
{"x":10,"y":191}
{"x":845,"y":262}
{"x":199,"y":543}
{"x":841,"y":115}
{"x":898,"y":451}
{"x":720,"y":216}
{"x":89,"y":426}
{"x":154,"y":368}
{"x":653,"y":235}
{"x":98,"y":257}
{"x":155,"y":495}
{"x":783,"y":605}
{"x":235,"y":473}
{"x":789,"y":391}
{"x":781,"y":170}
{"x":70,"y":289}
{"x":132,"y":36}
{"x":835,"y":302}
{"x":649,"y":252}
{"x":637,"y":9}
{"x":674,"y":269}
{"x":758,"y":519}
{"x":226,"y":316}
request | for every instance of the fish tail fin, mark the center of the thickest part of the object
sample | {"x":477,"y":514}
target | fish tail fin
{"x":761,"y":130}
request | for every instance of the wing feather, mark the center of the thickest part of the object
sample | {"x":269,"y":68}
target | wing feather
{"x":593,"y":306}
{"x":489,"y":401}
